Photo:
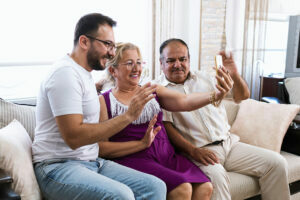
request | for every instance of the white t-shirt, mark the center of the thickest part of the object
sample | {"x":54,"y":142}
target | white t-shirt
{"x":68,"y":89}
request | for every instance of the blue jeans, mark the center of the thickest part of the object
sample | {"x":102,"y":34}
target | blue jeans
{"x":101,"y":179}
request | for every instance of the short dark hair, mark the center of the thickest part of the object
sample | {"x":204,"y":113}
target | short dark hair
{"x":89,"y":24}
{"x":165,"y":44}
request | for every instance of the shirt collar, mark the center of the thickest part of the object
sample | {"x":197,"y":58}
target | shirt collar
{"x":164,"y":81}
{"x":79,"y":67}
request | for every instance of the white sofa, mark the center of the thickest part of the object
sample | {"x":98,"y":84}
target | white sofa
{"x":241,"y":186}
{"x":247,"y":187}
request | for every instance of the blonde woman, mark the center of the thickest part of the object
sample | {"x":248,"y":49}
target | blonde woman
{"x":144,"y":144}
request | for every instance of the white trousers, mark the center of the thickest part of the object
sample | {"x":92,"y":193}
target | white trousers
{"x":270,"y":167}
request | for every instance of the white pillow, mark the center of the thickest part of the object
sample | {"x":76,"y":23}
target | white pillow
{"x":16,"y":160}
{"x":293,"y":87}
{"x":263,"y":124}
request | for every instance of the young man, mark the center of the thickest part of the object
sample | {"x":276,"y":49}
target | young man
{"x":204,"y":134}
{"x":65,"y":148}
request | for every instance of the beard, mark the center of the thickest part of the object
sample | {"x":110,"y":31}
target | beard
{"x":93,"y":60}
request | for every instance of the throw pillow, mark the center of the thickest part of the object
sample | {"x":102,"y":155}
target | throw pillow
{"x":262,"y":124}
{"x":293,"y":87}
{"x":16,"y":160}
{"x":24,"y":114}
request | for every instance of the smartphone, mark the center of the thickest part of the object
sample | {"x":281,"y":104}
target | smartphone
{"x":218,"y":62}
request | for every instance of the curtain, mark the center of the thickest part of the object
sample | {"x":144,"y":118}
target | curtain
{"x":179,"y":19}
{"x":162,"y":29}
{"x":245,"y":36}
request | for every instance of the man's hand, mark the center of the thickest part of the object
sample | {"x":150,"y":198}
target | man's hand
{"x":204,"y":156}
{"x":150,"y":133}
{"x":139,"y":100}
{"x":225,"y":83}
{"x":99,"y":85}
{"x":240,"y":88}
{"x":229,"y":63}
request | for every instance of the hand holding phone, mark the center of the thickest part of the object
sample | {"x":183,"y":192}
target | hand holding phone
{"x":218,"y":62}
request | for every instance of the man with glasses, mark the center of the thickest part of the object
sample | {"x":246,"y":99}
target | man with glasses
{"x":203,"y":135}
{"x":65,"y":148}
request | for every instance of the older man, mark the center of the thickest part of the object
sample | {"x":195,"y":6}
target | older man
{"x":204,"y":134}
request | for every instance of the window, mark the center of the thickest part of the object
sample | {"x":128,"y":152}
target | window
{"x":276,"y":44}
{"x":36,"y":33}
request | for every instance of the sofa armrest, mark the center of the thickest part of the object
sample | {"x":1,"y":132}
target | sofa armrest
{"x":4,"y":177}
{"x":6,"y":192}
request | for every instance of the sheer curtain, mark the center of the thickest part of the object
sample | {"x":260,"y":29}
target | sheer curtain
{"x":162,"y":29}
{"x":180,"y":19}
{"x":245,"y":35}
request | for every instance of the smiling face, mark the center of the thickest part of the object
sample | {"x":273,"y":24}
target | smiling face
{"x":129,"y":69}
{"x":175,"y":62}
{"x":99,"y":52}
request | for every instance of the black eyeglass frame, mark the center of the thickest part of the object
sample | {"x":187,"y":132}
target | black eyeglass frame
{"x":109,"y":45}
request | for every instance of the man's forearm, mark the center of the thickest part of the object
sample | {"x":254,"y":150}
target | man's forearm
{"x":77,"y":134}
{"x":178,"y":140}
{"x":240,"y":89}
{"x":119,"y":149}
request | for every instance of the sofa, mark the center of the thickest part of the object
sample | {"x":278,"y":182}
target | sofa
{"x":17,"y":124}
{"x":265,"y":125}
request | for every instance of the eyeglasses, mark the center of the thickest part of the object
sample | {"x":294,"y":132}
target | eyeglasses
{"x":131,"y":64}
{"x":109,"y":45}
{"x":172,"y":61}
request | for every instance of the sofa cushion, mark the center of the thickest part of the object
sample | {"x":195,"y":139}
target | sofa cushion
{"x":295,"y":196}
{"x":293,"y":165}
{"x":16,"y":160}
{"x":24,"y":114}
{"x":262,"y":124}
{"x":242,"y":186}
{"x":292,"y":86}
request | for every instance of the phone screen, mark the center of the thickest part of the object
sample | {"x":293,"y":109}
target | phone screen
{"x":218,"y":62}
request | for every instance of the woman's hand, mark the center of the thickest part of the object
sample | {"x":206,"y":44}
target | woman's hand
{"x":150,"y":133}
{"x":139,"y":100}
{"x":225,"y":83}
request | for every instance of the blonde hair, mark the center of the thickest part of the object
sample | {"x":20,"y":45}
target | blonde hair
{"x":114,"y":62}
{"x":121,"y":47}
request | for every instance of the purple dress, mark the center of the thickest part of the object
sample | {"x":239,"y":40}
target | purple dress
{"x":160,"y":158}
